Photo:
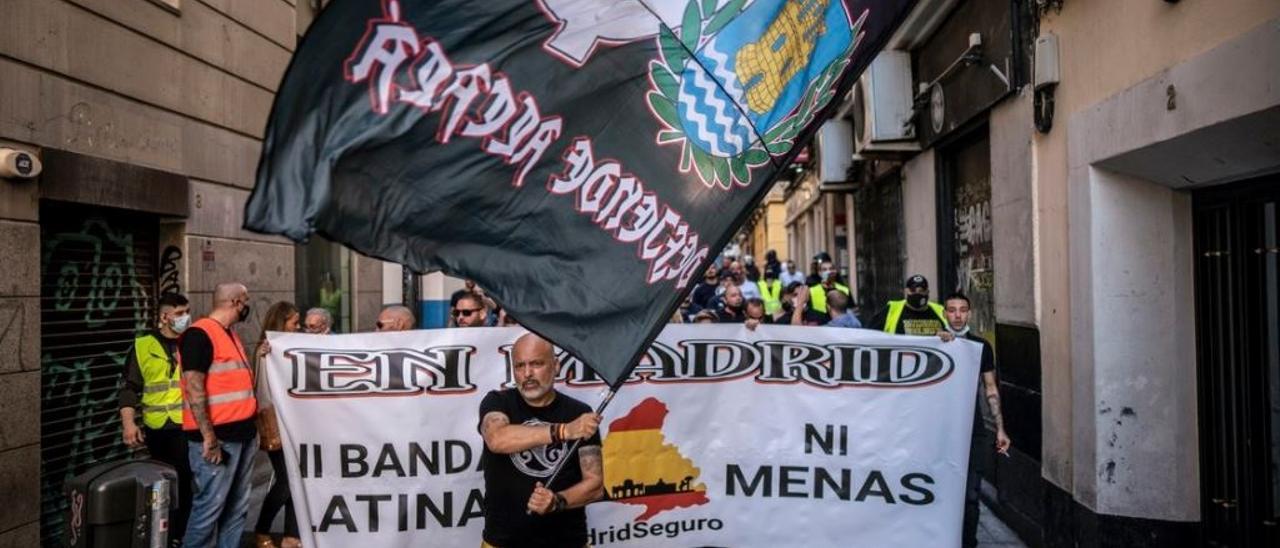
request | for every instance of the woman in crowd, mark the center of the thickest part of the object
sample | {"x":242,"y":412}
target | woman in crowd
{"x":282,"y":316}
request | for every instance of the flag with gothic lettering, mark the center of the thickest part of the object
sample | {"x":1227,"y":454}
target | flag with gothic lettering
{"x":582,"y":159}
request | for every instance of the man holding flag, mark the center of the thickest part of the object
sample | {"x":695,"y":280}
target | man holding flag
{"x":527,"y":431}
{"x":606,"y":147}
{"x":579,"y":159}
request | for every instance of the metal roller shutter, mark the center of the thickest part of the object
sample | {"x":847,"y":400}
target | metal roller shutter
{"x":98,"y":275}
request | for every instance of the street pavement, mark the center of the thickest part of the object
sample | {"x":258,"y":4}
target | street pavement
{"x":993,"y":533}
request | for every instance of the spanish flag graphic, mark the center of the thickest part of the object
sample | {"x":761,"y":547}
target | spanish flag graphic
{"x":640,"y":467}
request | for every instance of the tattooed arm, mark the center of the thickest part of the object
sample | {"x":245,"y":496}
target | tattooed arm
{"x":504,"y":438}
{"x":591,"y":488}
{"x":993,"y":401}
{"x":198,"y":401}
{"x":542,"y":501}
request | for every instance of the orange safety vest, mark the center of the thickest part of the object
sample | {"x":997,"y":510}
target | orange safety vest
{"x":229,"y":382}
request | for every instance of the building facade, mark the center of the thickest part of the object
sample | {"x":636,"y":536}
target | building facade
{"x":1100,"y":178}
{"x":766,"y":229}
{"x":1156,"y":292}
{"x":146,"y":117}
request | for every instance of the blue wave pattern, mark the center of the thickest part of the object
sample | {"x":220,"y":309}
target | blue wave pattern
{"x":712,"y":115}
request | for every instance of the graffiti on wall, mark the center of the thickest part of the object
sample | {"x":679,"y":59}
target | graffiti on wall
{"x":170,"y":270}
{"x":973,"y":247}
{"x":96,"y":290}
{"x":971,"y":233}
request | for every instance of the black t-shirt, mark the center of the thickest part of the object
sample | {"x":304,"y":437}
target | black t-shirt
{"x":912,"y":322}
{"x":987,"y":365}
{"x":701,"y":296}
{"x":813,"y":317}
{"x":730,"y":315}
{"x":509,"y":479}
{"x":197,"y":355}
{"x":785,"y":318}
{"x":988,"y":354}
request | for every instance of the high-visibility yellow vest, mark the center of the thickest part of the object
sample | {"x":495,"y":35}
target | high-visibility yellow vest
{"x":895,"y":314}
{"x":229,"y":382}
{"x":161,"y":383}
{"x":771,"y":294}
{"x":818,"y":296}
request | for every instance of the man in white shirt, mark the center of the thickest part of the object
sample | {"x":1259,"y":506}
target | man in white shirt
{"x":790,"y":274}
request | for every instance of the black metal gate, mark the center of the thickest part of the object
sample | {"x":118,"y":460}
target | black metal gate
{"x":97,"y":269}
{"x":1237,"y":239}
{"x":879,"y":237}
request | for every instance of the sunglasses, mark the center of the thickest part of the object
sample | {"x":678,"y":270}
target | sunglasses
{"x":465,"y":311}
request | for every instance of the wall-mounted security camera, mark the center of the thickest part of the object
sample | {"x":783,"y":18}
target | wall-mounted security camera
{"x":18,"y":164}
{"x":1045,"y":80}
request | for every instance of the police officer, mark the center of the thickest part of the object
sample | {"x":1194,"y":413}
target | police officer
{"x":914,"y":314}
{"x":152,"y":388}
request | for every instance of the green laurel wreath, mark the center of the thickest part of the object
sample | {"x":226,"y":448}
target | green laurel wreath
{"x":702,"y":21}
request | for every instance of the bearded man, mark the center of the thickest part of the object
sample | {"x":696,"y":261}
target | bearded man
{"x":527,"y":431}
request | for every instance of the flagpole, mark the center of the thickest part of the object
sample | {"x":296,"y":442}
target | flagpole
{"x":555,"y":472}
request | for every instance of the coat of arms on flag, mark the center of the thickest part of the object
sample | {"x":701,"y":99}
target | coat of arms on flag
{"x":570,"y":156}
{"x":757,"y":75}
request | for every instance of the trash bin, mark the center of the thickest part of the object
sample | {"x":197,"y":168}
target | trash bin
{"x":122,"y":504}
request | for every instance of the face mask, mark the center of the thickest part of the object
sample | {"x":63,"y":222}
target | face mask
{"x":917,"y":300}
{"x":180,"y":323}
{"x":826,"y":274}
{"x":244,"y":312}
{"x":958,"y":332}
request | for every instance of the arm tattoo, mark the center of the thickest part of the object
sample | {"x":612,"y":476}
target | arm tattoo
{"x":590,"y":462}
{"x":493,"y":420}
{"x":198,"y":400}
{"x":993,"y":398}
{"x":993,"y":401}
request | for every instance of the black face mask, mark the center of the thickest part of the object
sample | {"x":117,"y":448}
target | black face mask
{"x":244,"y":312}
{"x":917,"y":301}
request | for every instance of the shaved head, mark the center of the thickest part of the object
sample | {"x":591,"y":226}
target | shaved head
{"x":227,"y":293}
{"x":531,"y":344}
{"x":534,"y":367}
{"x":230,"y":303}
{"x":395,"y":317}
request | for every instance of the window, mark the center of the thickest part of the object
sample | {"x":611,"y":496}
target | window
{"x":322,"y":274}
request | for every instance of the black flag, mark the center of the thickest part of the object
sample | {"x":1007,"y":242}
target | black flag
{"x":582,"y":159}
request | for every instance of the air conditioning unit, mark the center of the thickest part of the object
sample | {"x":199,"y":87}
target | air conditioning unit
{"x":882,"y":102}
{"x":835,"y":150}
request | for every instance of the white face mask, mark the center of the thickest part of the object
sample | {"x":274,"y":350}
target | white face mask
{"x":180,"y":323}
{"x":958,"y":332}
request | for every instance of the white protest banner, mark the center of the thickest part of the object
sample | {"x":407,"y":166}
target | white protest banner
{"x":783,"y":436}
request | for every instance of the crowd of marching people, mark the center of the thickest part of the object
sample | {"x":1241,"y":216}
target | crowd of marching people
{"x":197,"y":398}
{"x":738,"y":290}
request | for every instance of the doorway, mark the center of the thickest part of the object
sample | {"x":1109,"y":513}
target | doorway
{"x":98,"y":284}
{"x":1237,"y":251}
